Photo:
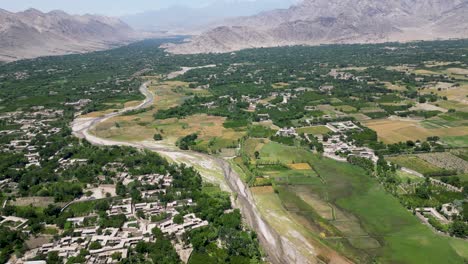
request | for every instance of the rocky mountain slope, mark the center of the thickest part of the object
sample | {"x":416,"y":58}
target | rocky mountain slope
{"x":32,"y":34}
{"x":314,"y":22}
{"x":187,"y":20}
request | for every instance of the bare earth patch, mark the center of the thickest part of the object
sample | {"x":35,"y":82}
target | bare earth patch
{"x":427,"y":107}
{"x":300,"y":166}
{"x":262,"y":190}
{"x":395,"y":87}
{"x":36,"y":201}
{"x":401,"y":130}
{"x":458,"y":71}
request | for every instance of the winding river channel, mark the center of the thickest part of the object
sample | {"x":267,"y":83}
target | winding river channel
{"x":278,"y":249}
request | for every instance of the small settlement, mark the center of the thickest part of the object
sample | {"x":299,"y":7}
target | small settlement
{"x":113,"y":232}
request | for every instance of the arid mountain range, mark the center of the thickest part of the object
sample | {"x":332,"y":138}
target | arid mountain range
{"x":314,"y":22}
{"x":186,"y":20}
{"x":32,"y":34}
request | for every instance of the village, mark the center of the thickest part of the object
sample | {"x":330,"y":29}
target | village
{"x":108,"y":243}
{"x":337,"y":145}
{"x":26,"y":127}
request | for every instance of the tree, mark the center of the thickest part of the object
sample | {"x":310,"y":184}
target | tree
{"x":95,"y":245}
{"x":425,"y":147}
{"x":140,"y":214}
{"x":53,"y":258}
{"x":116,"y":256}
{"x":423,"y":192}
{"x":257,"y":155}
{"x":102,"y":205}
{"x":120,"y":189}
{"x":157,"y":137}
{"x":459,"y":229}
{"x":178,"y":219}
{"x":157,"y":233}
{"x":52,"y":210}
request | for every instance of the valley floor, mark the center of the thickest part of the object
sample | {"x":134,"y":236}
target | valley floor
{"x":326,"y":209}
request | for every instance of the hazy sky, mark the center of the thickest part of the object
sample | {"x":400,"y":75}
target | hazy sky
{"x":107,"y":7}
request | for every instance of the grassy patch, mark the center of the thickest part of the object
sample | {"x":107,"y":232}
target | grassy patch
{"x":456,"y":141}
{"x":347,"y":108}
{"x":82,"y":208}
{"x":314,"y":130}
{"x":404,"y":238}
{"x":280,"y":85}
{"x":414,"y":163}
{"x":235,"y":123}
{"x":368,"y":218}
{"x":258,"y":131}
{"x":274,"y":151}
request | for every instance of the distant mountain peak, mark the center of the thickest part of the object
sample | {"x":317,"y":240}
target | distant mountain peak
{"x":32,"y":33}
{"x":58,"y":13}
{"x":3,"y":11}
{"x":33,"y":11}
{"x":314,"y":22}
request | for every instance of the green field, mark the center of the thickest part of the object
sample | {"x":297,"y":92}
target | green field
{"x":446,"y":121}
{"x":403,"y":238}
{"x":314,"y":130}
{"x":372,"y":224}
{"x":414,"y":163}
{"x":277,"y":152}
{"x":456,"y":141}
{"x":347,"y":108}
{"x":295,"y":177}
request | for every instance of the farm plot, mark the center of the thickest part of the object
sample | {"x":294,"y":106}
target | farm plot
{"x":450,"y":104}
{"x":461,"y":153}
{"x":347,"y":109}
{"x":456,"y":141}
{"x":262,"y":190}
{"x":252,"y":145}
{"x":36,"y":201}
{"x":314,"y":130}
{"x":403,"y":238}
{"x":305,"y":240}
{"x":300,"y":166}
{"x":454,"y":93}
{"x":415,"y":163}
{"x":395,"y":87}
{"x":457,"y":119}
{"x":274,"y":152}
{"x":395,"y":130}
{"x":427,"y":107}
{"x":458,"y":71}
{"x":295,"y":177}
{"x":344,"y":208}
{"x":446,"y":160}
{"x":348,"y":225}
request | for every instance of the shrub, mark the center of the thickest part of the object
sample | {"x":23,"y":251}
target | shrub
{"x":95,"y":245}
{"x":157,"y":137}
